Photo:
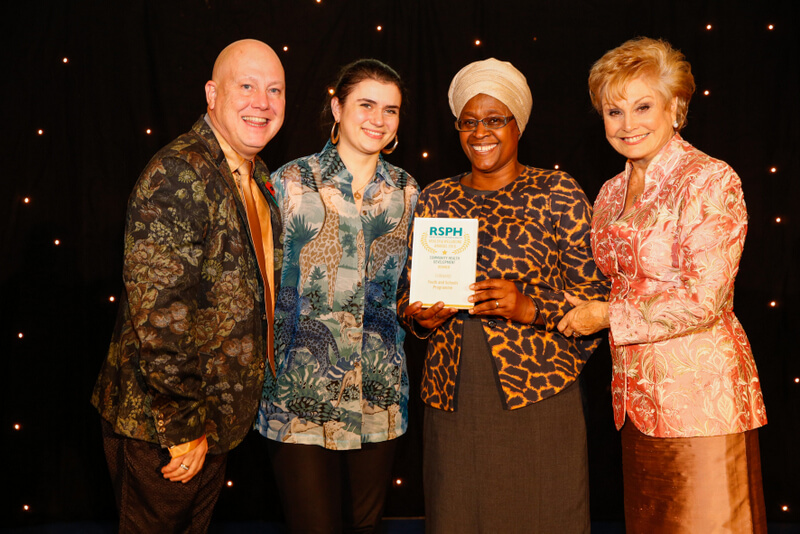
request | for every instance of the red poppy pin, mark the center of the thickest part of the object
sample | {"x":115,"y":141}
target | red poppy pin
{"x":269,"y":187}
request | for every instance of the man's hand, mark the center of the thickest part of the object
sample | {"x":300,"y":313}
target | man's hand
{"x":176,"y":470}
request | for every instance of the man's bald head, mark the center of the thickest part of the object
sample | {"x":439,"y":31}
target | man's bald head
{"x":246,"y":95}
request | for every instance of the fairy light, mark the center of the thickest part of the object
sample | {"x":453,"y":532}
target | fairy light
{"x":557,"y":166}
{"x":148,"y":131}
{"x":285,"y":48}
{"x":26,"y":200}
{"x":398,"y":482}
{"x":424,"y":154}
{"x":797,"y":380}
{"x":771,"y":27}
{"x":112,"y":298}
{"x":26,"y":507}
{"x":330,"y":90}
{"x":57,"y":242}
{"x":66,"y":60}
{"x":708,"y":26}
{"x":40,"y":131}
{"x":20,"y":335}
{"x":379,"y":28}
{"x":777,"y":220}
{"x":773,"y":304}
{"x":229,"y":483}
{"x":17,"y":426}
{"x":477,"y":42}
{"x":773,"y":170}
{"x":785,"y":508}
{"x":706,"y":92}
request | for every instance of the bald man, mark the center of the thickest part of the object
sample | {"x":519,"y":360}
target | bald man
{"x":182,"y":380}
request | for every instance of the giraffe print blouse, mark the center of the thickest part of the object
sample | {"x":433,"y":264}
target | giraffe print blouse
{"x":341,"y":372}
{"x":535,"y":232}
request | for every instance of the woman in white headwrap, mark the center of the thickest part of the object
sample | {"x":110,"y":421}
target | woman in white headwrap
{"x":504,"y":434}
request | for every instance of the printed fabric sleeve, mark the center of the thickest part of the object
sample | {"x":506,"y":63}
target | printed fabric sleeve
{"x":572,"y":224}
{"x":404,"y":283}
{"x":708,"y":244}
{"x":164,"y":249}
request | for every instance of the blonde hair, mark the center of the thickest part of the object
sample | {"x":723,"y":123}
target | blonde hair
{"x":665,"y":67}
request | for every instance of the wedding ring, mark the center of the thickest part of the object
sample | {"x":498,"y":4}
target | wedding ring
{"x":184,"y":467}
{"x":496,"y":304}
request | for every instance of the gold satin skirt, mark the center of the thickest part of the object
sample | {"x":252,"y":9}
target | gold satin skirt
{"x":698,"y":485}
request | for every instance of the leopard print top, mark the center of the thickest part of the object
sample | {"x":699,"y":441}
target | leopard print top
{"x":534,"y":231}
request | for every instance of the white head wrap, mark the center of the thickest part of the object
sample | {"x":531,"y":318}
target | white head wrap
{"x":498,"y":79}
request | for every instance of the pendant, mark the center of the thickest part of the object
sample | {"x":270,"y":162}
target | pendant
{"x":357,"y":195}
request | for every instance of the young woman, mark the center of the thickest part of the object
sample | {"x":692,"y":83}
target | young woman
{"x":339,"y":395}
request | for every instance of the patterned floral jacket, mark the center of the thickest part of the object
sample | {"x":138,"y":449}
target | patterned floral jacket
{"x":535,"y":232}
{"x":341,"y":369}
{"x":187,"y":356}
{"x":682,"y":365}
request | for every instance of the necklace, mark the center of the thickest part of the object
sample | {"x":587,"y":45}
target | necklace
{"x":357,"y":192}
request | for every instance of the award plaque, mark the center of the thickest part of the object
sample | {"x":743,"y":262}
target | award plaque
{"x":445,"y":255}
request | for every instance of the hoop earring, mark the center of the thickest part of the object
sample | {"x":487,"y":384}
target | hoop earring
{"x":335,"y":133}
{"x":390,"y":150}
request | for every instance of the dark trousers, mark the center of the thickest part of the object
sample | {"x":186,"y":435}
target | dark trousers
{"x":149,"y":503}
{"x":331,"y":492}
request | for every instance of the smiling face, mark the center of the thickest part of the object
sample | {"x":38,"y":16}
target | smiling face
{"x":246,"y":96}
{"x":368,"y":118}
{"x":639,"y":123}
{"x":489,"y":151}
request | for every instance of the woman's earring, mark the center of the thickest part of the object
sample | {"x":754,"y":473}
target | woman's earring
{"x":335,"y":133}
{"x":390,"y":150}
{"x":675,"y":124}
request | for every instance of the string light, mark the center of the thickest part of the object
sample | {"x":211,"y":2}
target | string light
{"x":773,"y":304}
{"x":40,"y":131}
{"x":112,"y":298}
{"x":20,"y":335}
{"x":556,"y":166}
{"x":771,"y":27}
{"x":797,"y":380}
{"x":477,"y":42}
{"x":285,"y":48}
{"x":65,"y":60}
{"x":708,"y":26}
{"x":773,"y":170}
{"x":380,"y":27}
{"x":398,"y":482}
{"x":17,"y":426}
{"x":706,"y":92}
{"x":777,"y":219}
{"x":148,"y":131}
{"x":26,"y":200}
{"x":230,"y":483}
{"x":424,"y":154}
{"x":57,"y":242}
{"x":330,"y":90}
{"x":785,"y":508}
{"x":26,"y":507}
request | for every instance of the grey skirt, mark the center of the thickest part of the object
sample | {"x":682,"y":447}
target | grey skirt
{"x":491,"y":470}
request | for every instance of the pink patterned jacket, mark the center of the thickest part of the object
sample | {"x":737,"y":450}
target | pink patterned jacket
{"x":682,"y":365}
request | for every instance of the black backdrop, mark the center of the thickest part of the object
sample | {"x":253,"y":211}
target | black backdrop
{"x":138,"y":65}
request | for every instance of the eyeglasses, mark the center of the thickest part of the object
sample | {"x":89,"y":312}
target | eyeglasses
{"x":492,"y":123}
